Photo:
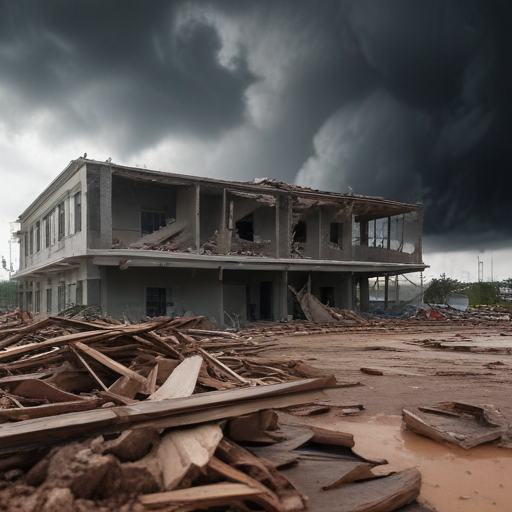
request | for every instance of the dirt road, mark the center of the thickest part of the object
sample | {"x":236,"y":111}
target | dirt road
{"x":423,"y":366}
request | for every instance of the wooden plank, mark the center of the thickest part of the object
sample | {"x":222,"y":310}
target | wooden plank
{"x":334,"y":437}
{"x":181,"y":382}
{"x":89,"y":369}
{"x":40,"y":411}
{"x":184,"y":453}
{"x":110,"y":363}
{"x":262,"y":471}
{"x":150,"y":386}
{"x":125,"y":387}
{"x":34,"y":388}
{"x":268,"y":500}
{"x":225,"y":369}
{"x":194,"y":409}
{"x":201,"y":496}
{"x":377,"y":495}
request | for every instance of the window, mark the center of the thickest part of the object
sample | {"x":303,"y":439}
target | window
{"x":156,"y":302}
{"x":37,"y":304}
{"x":31,"y":241}
{"x":151,"y":221}
{"x":245,"y":228}
{"x":25,"y":243}
{"x":79,"y":292}
{"x":47,"y":229}
{"x":62,"y":220}
{"x":77,"y":200}
{"x":336,"y":234}
{"x":48,"y":300}
{"x":61,"y":297}
{"x":38,"y":236}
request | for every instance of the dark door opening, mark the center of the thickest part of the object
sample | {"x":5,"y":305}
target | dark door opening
{"x":155,"y":302}
{"x":327,"y":295}
{"x":266,"y":301}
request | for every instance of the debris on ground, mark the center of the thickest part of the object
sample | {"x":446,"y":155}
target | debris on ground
{"x":169,"y":414}
{"x":457,"y":423}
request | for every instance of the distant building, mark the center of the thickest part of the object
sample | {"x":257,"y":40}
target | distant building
{"x":149,"y":243}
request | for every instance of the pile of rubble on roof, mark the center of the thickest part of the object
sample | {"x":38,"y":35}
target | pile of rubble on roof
{"x":100,"y":415}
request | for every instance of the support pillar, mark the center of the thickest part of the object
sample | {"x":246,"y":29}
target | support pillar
{"x":364,"y":290}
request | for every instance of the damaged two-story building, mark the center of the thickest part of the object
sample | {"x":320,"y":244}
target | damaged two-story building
{"x":142,"y":243}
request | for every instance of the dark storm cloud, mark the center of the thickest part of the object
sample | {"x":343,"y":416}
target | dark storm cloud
{"x":407,"y":99}
{"x":118,"y":64}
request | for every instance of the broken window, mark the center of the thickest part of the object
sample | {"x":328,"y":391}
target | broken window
{"x":151,"y":221}
{"x":300,"y":233}
{"x":336,"y":234}
{"x":62,"y":220}
{"x":77,"y":200}
{"x":156,"y":303}
{"x":245,"y":228}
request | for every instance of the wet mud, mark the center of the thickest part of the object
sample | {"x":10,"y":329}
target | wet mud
{"x":454,"y":479}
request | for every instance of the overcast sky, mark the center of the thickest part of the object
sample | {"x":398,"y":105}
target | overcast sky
{"x":403,"y":99}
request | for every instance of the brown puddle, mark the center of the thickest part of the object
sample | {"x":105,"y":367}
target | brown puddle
{"x":454,"y":479}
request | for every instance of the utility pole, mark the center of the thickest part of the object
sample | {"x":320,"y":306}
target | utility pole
{"x":480,"y":270}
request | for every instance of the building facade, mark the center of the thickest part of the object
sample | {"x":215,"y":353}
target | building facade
{"x":142,"y":243}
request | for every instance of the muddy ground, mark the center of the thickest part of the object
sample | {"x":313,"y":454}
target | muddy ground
{"x":420,"y":366}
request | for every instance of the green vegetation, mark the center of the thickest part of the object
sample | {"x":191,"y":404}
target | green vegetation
{"x":8,"y":295}
{"x":481,"y":293}
{"x":440,"y":289}
{"x":478,"y":293}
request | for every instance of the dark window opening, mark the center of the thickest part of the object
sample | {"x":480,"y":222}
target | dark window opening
{"x":62,"y":220}
{"x":38,"y":236}
{"x":25,"y":239}
{"x":31,"y":241}
{"x":155,"y":302}
{"x":37,"y":305}
{"x":47,"y":227}
{"x":327,"y":295}
{"x":266,"y":301}
{"x":300,"y":233}
{"x":61,"y":297}
{"x":151,"y":221}
{"x":78,"y":212}
{"x":245,"y":228}
{"x":48,"y":300}
{"x":336,"y":233}
{"x":79,"y":292}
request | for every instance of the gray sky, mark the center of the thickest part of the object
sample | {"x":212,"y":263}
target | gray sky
{"x":404,"y":99}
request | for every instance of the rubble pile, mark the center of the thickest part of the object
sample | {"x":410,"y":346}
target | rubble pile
{"x":167,"y":414}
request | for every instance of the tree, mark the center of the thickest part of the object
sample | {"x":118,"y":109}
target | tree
{"x":439,"y":289}
{"x":482,"y":293}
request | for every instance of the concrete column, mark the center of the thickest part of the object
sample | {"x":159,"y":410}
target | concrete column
{"x":198,"y":218}
{"x":99,"y":207}
{"x":386,"y":292}
{"x":364,"y":291}
{"x":282,"y":301}
{"x":221,"y":297}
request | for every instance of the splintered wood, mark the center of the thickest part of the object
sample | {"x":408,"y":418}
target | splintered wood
{"x":107,"y":416}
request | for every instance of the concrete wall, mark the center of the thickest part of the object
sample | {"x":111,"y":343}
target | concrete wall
{"x":73,"y":243}
{"x":129,"y":197}
{"x":99,"y":211}
{"x":195,"y":290}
